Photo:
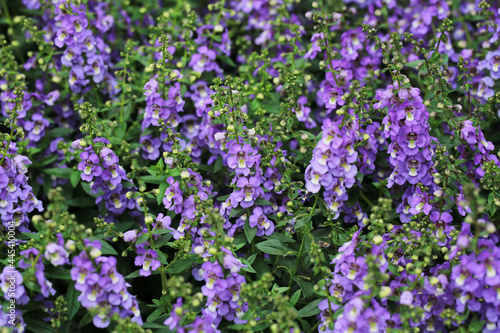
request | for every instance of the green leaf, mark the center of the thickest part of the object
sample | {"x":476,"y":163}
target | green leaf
{"x":223,"y":198}
{"x":263,"y":202}
{"x":353,"y":197}
{"x":82,"y":202}
{"x":249,"y":267}
{"x":161,"y":232}
{"x":249,"y":231}
{"x":47,"y":160}
{"x":180,"y":265}
{"x":59,"y":132}
{"x":105,"y":248}
{"x":156,"y":313}
{"x":87,"y":319}
{"x":272,"y":103}
{"x":310,"y":309}
{"x":476,"y":327}
{"x":59,"y":172}
{"x":289,"y":123}
{"x":153,"y":179}
{"x":133,"y":275}
{"x":218,"y":164}
{"x":72,"y":299}
{"x":75,"y":177}
{"x":491,"y":203}
{"x":302,"y":222}
{"x":59,"y":274}
{"x":295,"y":298}
{"x":161,"y":192}
{"x":163,"y":240}
{"x":142,"y":238}
{"x":237,"y":211}
{"x":120,"y":130}
{"x":273,"y":247}
{"x":414,"y":64}
{"x":37,"y":325}
{"x":282,"y":237}
{"x":162,"y":328}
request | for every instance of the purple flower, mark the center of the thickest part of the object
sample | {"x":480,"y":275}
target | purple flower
{"x":173,"y":196}
{"x":412,"y":138}
{"x":148,"y":260}
{"x":241,"y":158}
{"x":203,"y":60}
{"x":406,"y":298}
{"x":11,"y":283}
{"x":36,"y":127}
{"x":263,"y":224}
{"x":317,"y":43}
{"x":150,"y":149}
{"x":492,"y":63}
{"x":56,"y":254}
{"x":130,"y":236}
{"x":76,"y":79}
{"x":248,"y":192}
{"x":108,"y":157}
{"x":175,"y":316}
{"x":89,"y":166}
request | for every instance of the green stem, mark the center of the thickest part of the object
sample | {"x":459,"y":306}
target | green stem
{"x":365,"y":198}
{"x":6,"y":12}
{"x":124,"y":87}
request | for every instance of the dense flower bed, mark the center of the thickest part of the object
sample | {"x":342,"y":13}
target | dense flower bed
{"x":249,"y":166}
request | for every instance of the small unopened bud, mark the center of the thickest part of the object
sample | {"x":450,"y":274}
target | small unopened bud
{"x":377,"y":240}
{"x":94,"y":253}
{"x":385,"y":291}
{"x":218,"y":28}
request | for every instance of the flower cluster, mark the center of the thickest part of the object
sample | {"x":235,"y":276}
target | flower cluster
{"x":222,"y":290}
{"x":103,"y":289}
{"x":101,"y":168}
{"x":16,"y":196}
{"x":72,"y":32}
{"x":407,"y":126}
{"x":333,"y":165}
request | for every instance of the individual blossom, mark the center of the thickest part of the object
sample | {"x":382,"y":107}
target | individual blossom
{"x":89,"y":165}
{"x":11,"y":282}
{"x":492,"y":63}
{"x":56,"y":254}
{"x":249,"y":190}
{"x":241,"y":158}
{"x":203,"y":60}
{"x":148,"y":260}
{"x":261,"y":222}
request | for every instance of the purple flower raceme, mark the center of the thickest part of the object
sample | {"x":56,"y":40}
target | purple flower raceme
{"x":333,"y":165}
{"x":16,"y":196}
{"x":407,"y":127}
{"x":31,"y":258}
{"x":492,"y":63}
{"x":85,"y":54}
{"x":148,"y":260}
{"x":203,"y":60}
{"x":476,"y":151}
{"x":249,"y":191}
{"x":102,"y":287}
{"x":103,"y":170}
{"x":11,"y":283}
{"x":223,"y":289}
